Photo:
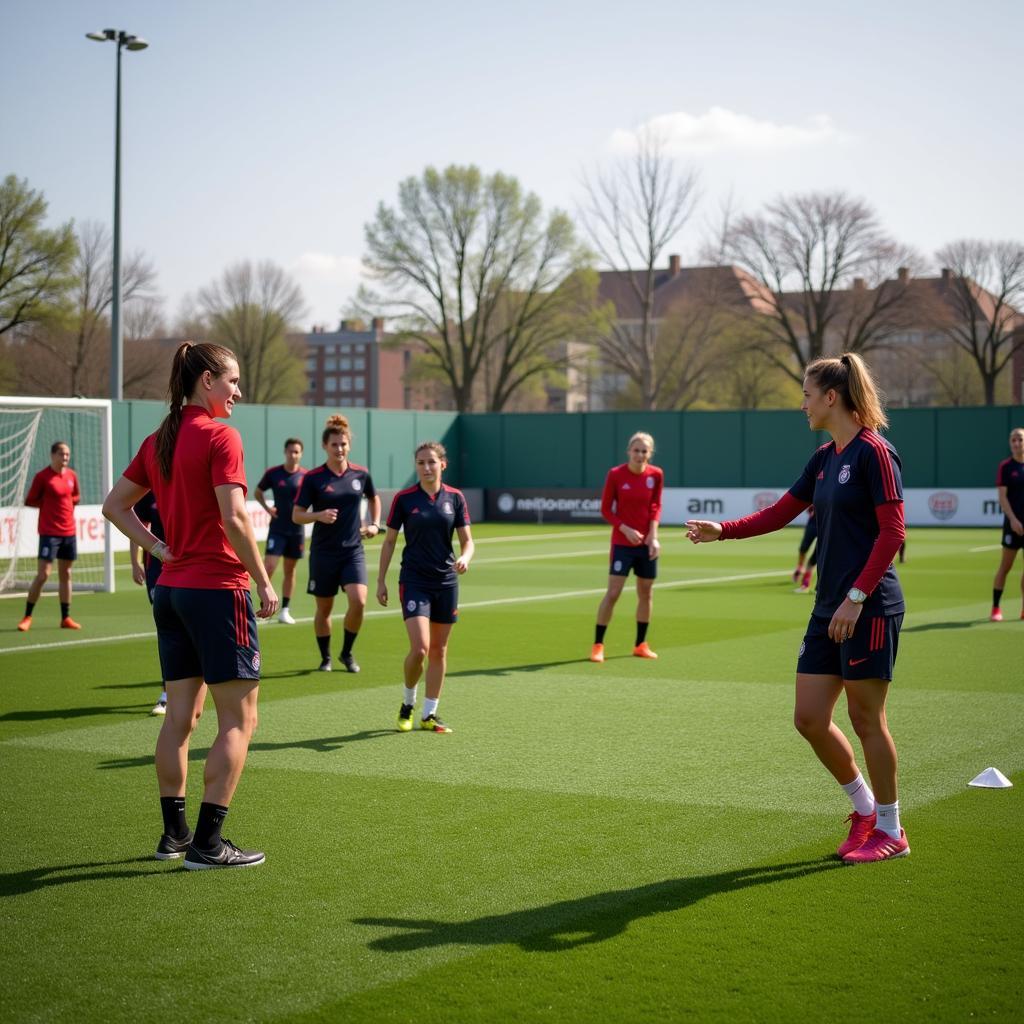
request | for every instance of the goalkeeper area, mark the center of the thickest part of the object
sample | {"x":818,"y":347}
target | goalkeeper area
{"x":637,"y":841}
{"x":28,"y":429}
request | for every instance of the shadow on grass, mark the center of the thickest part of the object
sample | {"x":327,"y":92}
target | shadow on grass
{"x":17,"y":883}
{"x":504,"y":670}
{"x":927,"y":627}
{"x":43,"y":714}
{"x":319,"y":745}
{"x":156,"y":684}
{"x":571,"y":923}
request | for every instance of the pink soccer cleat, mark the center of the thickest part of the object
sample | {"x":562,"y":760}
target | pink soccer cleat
{"x":861,"y":826}
{"x":879,"y":846}
{"x":996,"y":616}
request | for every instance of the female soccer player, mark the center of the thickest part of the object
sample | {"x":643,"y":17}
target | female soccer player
{"x":855,"y":485}
{"x":54,"y":491}
{"x":428,"y":583}
{"x":631,"y":502}
{"x":331,"y":498}
{"x":206,"y":629}
{"x":147,"y":571}
{"x":1010,"y":487}
{"x":285,"y":537}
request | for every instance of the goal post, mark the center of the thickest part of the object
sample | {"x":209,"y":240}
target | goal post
{"x":28,"y":428}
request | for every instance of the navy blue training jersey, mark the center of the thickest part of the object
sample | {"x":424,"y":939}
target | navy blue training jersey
{"x":428,"y":522}
{"x":1011,"y":476}
{"x":323,"y":488}
{"x":285,"y":486}
{"x":844,"y":488}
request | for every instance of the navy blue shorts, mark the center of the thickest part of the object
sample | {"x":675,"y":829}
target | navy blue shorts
{"x":286,"y":545}
{"x":869,"y":654}
{"x":625,"y":557}
{"x":329,"y":573}
{"x":64,"y":548}
{"x":439,"y":604}
{"x":209,"y":634}
{"x":1011,"y":541}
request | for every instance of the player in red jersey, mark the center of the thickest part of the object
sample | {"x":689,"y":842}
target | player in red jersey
{"x":855,"y":485}
{"x":206,"y":627}
{"x":1010,"y":488}
{"x":54,"y":491}
{"x":428,"y":584}
{"x":631,"y":502}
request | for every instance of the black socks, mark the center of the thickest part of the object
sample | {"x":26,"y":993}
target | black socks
{"x":211,"y":817}
{"x":173,"y":810}
{"x":350,"y":639}
{"x":641,"y":632}
{"x":324,"y":643}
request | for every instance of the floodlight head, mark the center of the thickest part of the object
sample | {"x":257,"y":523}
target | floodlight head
{"x":101,"y":37}
{"x":135,"y":43}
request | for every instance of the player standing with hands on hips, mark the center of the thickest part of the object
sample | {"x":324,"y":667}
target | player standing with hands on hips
{"x":855,"y":485}
{"x":206,"y":629}
{"x":1010,"y":488}
{"x":631,"y":502}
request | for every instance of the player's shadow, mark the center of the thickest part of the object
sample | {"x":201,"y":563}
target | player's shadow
{"x":17,"y":883}
{"x":927,"y":627}
{"x":155,"y":684}
{"x":44,"y":714}
{"x":571,"y":923}
{"x":505,"y":670}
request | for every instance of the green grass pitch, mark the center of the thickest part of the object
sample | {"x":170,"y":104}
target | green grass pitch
{"x":633,"y":841}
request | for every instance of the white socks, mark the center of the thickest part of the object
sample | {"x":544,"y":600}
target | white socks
{"x":430,"y":706}
{"x":410,"y":696}
{"x":861,"y":797}
{"x":889,"y":819}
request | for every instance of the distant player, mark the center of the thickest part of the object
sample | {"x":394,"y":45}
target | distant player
{"x":855,"y":485}
{"x":146,"y":572}
{"x":802,"y":574}
{"x":428,"y":582}
{"x":331,"y":498}
{"x":206,"y":628}
{"x":285,"y":538}
{"x":1010,"y":488}
{"x":54,"y":491}
{"x":631,"y":502}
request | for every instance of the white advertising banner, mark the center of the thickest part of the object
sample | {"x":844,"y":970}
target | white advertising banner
{"x":967,"y":506}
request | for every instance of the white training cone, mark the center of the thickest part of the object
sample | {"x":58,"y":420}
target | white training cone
{"x":991,"y":778}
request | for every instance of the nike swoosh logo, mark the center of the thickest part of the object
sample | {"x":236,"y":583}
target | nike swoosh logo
{"x":857,"y":661}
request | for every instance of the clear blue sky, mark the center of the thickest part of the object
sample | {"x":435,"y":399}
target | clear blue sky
{"x":270,"y":130}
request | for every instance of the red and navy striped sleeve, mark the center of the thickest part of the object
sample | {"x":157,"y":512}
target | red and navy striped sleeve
{"x":883,"y":471}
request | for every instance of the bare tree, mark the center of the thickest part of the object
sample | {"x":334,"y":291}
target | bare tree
{"x":983,"y":296}
{"x":631,"y":214}
{"x":831,"y":279}
{"x":35,"y":263}
{"x":477,"y":273}
{"x":251,"y":309}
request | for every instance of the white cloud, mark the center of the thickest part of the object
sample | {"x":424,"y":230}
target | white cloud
{"x":722,"y":130}
{"x":328,"y":281}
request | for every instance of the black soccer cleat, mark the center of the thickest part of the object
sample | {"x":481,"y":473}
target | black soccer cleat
{"x":227,"y":855}
{"x":170,"y":848}
{"x":350,"y":663}
{"x":325,"y":665}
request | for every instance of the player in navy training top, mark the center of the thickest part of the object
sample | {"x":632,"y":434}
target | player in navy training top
{"x":855,"y":486}
{"x":1010,"y":487}
{"x":631,"y":503}
{"x":146,"y":570}
{"x":802,"y":575}
{"x":428,"y":583}
{"x":285,"y":538}
{"x":331,"y":498}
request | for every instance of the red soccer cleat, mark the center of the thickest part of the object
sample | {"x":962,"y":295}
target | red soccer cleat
{"x":25,"y":625}
{"x":861,"y":826}
{"x":996,"y":616}
{"x":69,"y":623}
{"x":643,"y":651}
{"x":879,"y":846}
{"x":597,"y":653}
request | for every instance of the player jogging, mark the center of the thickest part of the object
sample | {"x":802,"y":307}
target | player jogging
{"x":206,"y":628}
{"x":428,"y":582}
{"x":146,"y":572}
{"x":331,"y":498}
{"x":1010,"y":488}
{"x":285,"y":538}
{"x":855,"y":485}
{"x":631,"y":502}
{"x":54,"y":491}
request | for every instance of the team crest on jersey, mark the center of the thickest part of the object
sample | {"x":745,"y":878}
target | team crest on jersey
{"x":356,"y":485}
{"x":844,"y":474}
{"x":447,"y":509}
{"x":650,"y":483}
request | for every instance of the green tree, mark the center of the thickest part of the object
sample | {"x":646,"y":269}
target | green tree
{"x":476,"y":271}
{"x":35,"y":262}
{"x":251,"y":309}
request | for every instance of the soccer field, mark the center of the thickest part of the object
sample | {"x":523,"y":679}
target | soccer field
{"x":633,"y":841}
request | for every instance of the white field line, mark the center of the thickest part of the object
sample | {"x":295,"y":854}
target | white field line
{"x":546,"y":557}
{"x":514,"y":538}
{"x":377,"y":613}
{"x":987,"y":547}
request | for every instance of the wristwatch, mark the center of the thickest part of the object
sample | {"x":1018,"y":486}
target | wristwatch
{"x":856,"y":596}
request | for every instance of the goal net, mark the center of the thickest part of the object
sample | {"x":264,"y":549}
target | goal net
{"x":28,"y":429}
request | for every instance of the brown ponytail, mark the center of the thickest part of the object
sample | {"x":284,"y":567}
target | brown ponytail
{"x":850,"y":377}
{"x":336,"y":424}
{"x":190,"y":362}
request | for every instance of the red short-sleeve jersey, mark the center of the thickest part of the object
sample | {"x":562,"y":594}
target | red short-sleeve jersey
{"x":207,"y":454}
{"x":55,"y":495}
{"x":632,"y":498}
